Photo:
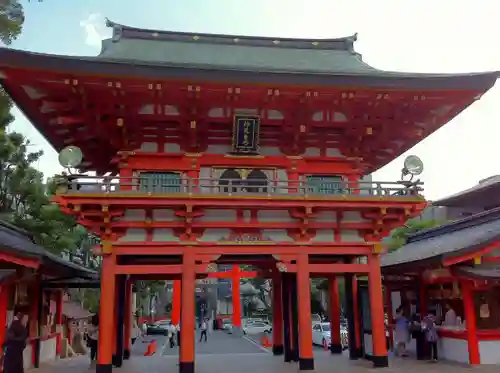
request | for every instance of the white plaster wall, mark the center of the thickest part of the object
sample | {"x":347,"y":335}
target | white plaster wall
{"x":351,"y":236}
{"x":312,"y":152}
{"x":134,"y":215}
{"x":27,"y":356}
{"x":352,"y":217}
{"x":171,"y":148}
{"x":219,"y":149}
{"x":150,"y":147}
{"x":164,"y":235}
{"x":134,"y":235}
{"x":332,"y":152}
{"x":326,"y":217}
{"x":453,"y":350}
{"x":488,"y":350}
{"x":282,"y":184}
{"x":324,"y":235}
{"x":270,"y":150}
{"x":164,"y":215}
{"x":214,"y":215}
{"x":266,"y":216}
{"x":276,"y":235}
{"x":48,"y":350}
{"x":224,"y":307}
{"x":214,"y":235}
{"x":247,"y":215}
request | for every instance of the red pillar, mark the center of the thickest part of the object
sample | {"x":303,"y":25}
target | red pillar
{"x":379,"y":355}
{"x":277,"y":316}
{"x":334,"y":305}
{"x":186,"y":356}
{"x":306,"y":360}
{"x":357,"y":324}
{"x":236,"y":296}
{"x":128,"y":321}
{"x":107,"y":338}
{"x":176,"y":302}
{"x":470,"y":319}
{"x":4,"y":303}
{"x":59,"y":321}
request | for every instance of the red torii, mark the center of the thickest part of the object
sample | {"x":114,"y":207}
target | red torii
{"x":236,"y":274}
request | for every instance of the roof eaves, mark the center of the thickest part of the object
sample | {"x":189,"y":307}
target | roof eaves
{"x":469,"y":221}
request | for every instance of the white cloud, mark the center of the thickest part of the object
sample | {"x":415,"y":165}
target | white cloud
{"x":95,"y":29}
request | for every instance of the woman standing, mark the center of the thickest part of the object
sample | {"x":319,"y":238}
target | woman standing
{"x":402,"y":332}
{"x":15,"y":343}
{"x":92,"y":337}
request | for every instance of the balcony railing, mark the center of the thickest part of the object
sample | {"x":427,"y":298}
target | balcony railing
{"x":251,"y":187}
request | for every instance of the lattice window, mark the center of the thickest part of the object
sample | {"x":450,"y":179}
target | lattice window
{"x":160,"y":182}
{"x":321,"y":184}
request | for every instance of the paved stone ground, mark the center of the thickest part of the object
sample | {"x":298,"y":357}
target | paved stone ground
{"x":263,"y":363}
{"x":218,"y":342}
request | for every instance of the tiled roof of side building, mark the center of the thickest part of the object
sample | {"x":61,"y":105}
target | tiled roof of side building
{"x":18,"y":241}
{"x":487,"y":189}
{"x":449,"y":240}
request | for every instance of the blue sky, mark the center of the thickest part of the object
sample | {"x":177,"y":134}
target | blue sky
{"x":400,"y":35}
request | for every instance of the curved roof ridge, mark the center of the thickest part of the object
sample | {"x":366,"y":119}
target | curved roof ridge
{"x":341,"y":43}
{"x":456,"y":225}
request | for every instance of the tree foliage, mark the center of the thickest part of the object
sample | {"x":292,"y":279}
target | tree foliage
{"x":11,"y":20}
{"x":400,"y":235}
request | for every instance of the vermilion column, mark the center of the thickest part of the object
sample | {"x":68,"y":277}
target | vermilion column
{"x":287,"y":335}
{"x":186,"y":359}
{"x":106,"y":315}
{"x":357,"y":318}
{"x":470,"y":319}
{"x":236,"y":296}
{"x":334,"y":304}
{"x":59,"y":321}
{"x":129,"y":319}
{"x":379,"y":355}
{"x":277,"y":316}
{"x":306,"y":361}
{"x":176,"y":302}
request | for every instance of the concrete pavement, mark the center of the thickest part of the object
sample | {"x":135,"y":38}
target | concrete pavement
{"x":219,"y":342}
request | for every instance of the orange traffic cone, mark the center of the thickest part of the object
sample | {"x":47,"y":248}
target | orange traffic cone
{"x":151,"y":348}
{"x":264,"y":341}
{"x":325,"y":345}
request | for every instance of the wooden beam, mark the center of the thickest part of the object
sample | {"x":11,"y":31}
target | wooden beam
{"x":20,"y":261}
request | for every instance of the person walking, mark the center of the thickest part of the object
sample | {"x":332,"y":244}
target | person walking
{"x":136,"y":331}
{"x":14,"y":345}
{"x":171,"y":331}
{"x":431,"y":335}
{"x":92,"y":338}
{"x":402,"y":332}
{"x":203,"y":328}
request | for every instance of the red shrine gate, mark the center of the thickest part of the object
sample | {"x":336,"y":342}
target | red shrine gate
{"x":194,"y":137}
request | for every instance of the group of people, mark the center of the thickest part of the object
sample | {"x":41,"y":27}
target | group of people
{"x":427,"y":325}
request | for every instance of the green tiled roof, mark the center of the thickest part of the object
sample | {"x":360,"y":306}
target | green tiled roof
{"x":230,"y":52}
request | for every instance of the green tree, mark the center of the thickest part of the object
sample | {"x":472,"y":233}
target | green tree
{"x":400,"y":235}
{"x":11,"y":20}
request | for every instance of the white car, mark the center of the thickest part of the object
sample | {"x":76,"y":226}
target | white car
{"x":257,"y":327}
{"x":322,"y":335}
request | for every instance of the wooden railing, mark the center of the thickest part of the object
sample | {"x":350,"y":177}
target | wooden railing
{"x":212,"y":186}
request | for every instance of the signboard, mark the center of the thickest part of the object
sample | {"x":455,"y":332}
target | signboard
{"x":245,"y":239}
{"x":246,"y":134}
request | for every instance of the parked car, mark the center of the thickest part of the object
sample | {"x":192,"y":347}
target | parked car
{"x":322,"y":335}
{"x":159,"y":327}
{"x":257,"y":327}
{"x":227,"y":325}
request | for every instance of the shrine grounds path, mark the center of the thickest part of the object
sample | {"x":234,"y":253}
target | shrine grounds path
{"x":232,"y":354}
{"x":219,"y":342}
